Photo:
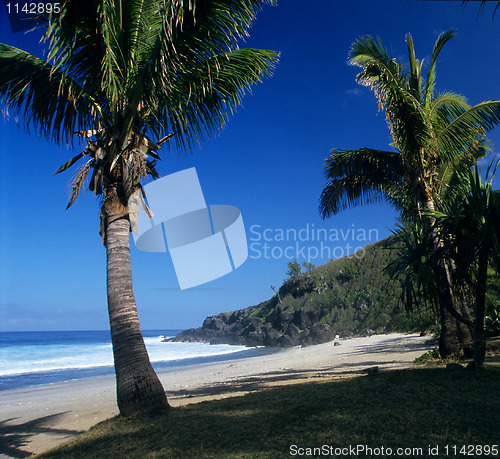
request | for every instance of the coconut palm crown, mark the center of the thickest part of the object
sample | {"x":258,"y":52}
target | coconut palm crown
{"x":126,"y":76}
{"x":123,"y":72}
{"x":432,"y":134}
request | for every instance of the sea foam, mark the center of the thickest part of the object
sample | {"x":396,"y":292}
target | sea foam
{"x":60,"y":351}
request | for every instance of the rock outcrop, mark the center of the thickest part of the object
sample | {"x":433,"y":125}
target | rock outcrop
{"x":284,"y":329}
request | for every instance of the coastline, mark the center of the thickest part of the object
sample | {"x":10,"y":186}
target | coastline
{"x":38,"y":418}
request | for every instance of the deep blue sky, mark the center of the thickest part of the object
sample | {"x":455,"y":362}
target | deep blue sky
{"x":268,"y":162}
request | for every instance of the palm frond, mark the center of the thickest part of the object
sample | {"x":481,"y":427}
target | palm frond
{"x":483,"y":3}
{"x":78,"y":182}
{"x":445,"y":108}
{"x":453,"y":175}
{"x":415,"y":264}
{"x":69,"y":163}
{"x":397,"y":93}
{"x":383,"y":74}
{"x":201,"y":99}
{"x":147,"y":50}
{"x":75,"y":47}
{"x":431,"y":74}
{"x":480,"y":118}
{"x":471,"y":225}
{"x":196,"y":75}
{"x":110,"y":26}
{"x":358,"y":177}
{"x":53,"y":105}
{"x":415,"y":77}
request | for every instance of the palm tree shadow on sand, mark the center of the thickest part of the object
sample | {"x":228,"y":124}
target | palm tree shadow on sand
{"x":14,"y":438}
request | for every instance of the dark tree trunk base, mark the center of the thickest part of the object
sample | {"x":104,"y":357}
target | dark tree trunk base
{"x":143,"y":395}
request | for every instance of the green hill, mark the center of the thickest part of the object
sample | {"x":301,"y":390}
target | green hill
{"x":349,"y":296}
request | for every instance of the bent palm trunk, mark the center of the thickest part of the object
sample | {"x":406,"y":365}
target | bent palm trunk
{"x":138,"y":388}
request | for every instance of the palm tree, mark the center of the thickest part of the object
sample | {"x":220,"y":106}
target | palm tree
{"x":471,"y":229}
{"x":418,"y":266}
{"x":483,"y":4}
{"x":120,"y":73}
{"x":434,"y":136}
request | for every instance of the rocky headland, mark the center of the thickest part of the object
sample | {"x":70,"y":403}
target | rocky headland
{"x":350,"y":296}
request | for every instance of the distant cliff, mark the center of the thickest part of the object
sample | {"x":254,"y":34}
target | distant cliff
{"x":348,"y":296}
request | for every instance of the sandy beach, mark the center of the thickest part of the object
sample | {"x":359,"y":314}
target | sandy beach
{"x":37,"y":418}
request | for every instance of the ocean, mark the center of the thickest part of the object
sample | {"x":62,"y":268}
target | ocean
{"x":34,"y":358}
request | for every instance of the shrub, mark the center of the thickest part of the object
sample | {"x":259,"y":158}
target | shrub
{"x":429,"y":355}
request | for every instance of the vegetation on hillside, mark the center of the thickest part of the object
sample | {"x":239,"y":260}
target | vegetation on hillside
{"x":354,"y":295}
{"x":359,"y":295}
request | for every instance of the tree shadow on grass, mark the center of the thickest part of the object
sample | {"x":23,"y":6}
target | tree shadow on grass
{"x":15,"y":437}
{"x":407,"y":408}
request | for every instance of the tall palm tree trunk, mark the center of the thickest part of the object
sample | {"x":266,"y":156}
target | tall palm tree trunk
{"x":453,"y":335}
{"x":138,"y":388}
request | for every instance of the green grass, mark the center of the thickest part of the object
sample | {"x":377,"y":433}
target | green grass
{"x":408,"y":408}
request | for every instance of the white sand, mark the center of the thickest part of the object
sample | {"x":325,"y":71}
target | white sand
{"x":37,"y":418}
